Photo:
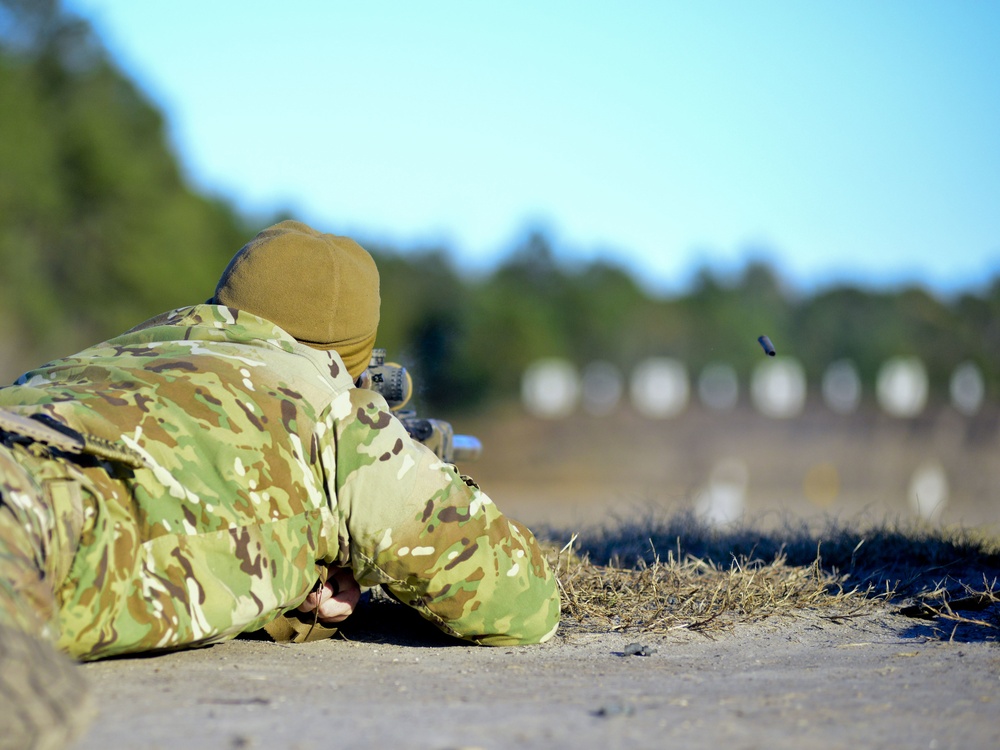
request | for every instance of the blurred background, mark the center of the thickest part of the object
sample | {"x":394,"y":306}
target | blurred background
{"x":584,"y":217}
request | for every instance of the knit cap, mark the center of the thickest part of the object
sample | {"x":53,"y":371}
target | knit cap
{"x":321,"y":288}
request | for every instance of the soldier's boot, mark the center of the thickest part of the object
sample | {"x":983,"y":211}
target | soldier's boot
{"x":44,"y":702}
{"x":43,"y":694}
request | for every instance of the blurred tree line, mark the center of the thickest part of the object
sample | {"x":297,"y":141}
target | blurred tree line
{"x":99,"y":230}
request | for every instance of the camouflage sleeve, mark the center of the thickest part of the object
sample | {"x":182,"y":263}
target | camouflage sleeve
{"x":433,"y":539}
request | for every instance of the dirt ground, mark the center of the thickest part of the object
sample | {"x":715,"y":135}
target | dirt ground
{"x":807,"y":682}
{"x":876,"y":681}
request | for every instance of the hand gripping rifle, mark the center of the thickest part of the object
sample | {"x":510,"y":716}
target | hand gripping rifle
{"x":395,"y":385}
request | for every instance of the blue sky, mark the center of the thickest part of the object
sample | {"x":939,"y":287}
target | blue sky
{"x":838,"y":141}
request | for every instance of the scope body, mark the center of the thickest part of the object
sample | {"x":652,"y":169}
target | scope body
{"x":393,"y":382}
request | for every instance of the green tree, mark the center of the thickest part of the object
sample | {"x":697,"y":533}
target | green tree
{"x":99,"y":229}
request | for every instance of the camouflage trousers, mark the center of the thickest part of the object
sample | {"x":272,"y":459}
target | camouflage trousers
{"x":41,"y":519}
{"x":77,"y":566}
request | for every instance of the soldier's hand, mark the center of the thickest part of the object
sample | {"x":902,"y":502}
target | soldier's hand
{"x":335,"y":599}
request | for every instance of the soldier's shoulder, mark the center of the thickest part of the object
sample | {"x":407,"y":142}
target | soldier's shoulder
{"x":208,"y":321}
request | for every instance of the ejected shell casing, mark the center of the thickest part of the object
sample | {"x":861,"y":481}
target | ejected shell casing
{"x":765,"y":342}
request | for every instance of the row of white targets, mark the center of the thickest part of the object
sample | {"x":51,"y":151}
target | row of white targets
{"x":660,"y":387}
{"x":722,"y":500}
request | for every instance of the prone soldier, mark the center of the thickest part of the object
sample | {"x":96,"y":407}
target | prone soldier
{"x":218,"y":468}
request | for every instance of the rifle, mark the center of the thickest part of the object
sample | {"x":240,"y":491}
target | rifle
{"x":393,"y":382}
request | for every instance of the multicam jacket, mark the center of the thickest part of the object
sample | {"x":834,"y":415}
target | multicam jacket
{"x":258,"y":463}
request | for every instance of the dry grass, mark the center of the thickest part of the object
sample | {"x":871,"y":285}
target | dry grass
{"x":693,"y":594}
{"x":711,"y":580}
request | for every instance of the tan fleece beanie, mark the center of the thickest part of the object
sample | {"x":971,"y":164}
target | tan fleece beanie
{"x":320,"y":288}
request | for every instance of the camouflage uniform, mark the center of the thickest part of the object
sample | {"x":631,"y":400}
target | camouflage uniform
{"x":245,"y":463}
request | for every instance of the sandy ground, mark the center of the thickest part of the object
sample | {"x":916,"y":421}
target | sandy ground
{"x":875,"y":681}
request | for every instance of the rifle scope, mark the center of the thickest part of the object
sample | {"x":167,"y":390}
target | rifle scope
{"x":390,"y":380}
{"x":395,"y":385}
